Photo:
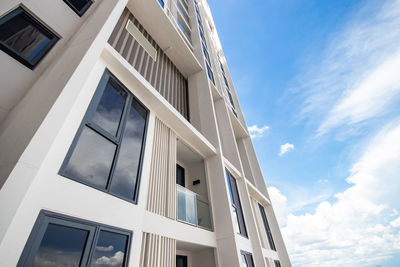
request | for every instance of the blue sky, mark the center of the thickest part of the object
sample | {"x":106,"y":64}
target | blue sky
{"x":323,"y":77}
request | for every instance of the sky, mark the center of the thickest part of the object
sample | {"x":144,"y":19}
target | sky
{"x":319,"y":85}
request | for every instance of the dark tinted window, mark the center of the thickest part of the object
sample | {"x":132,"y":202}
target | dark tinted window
{"x":57,"y":240}
{"x":127,"y":168}
{"x":236,"y":206}
{"x":277,"y":263}
{"x":230,"y":98}
{"x":109,"y":110}
{"x":61,"y":246}
{"x":180,"y":175}
{"x":24,"y":38}
{"x":91,"y":159}
{"x":210,"y":73}
{"x":79,"y":6}
{"x":266,"y":226}
{"x":110,"y":250}
{"x":161,"y":2}
{"x":107,"y":150}
{"x":181,"y":261}
{"x":247,"y":259}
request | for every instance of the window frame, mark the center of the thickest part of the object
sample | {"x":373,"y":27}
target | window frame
{"x":210,"y":73}
{"x":79,"y":12}
{"x":46,"y":217}
{"x":31,"y":64}
{"x":277,"y":263}
{"x":117,"y":140}
{"x":248,"y":257}
{"x":266,"y":227}
{"x":234,"y":196}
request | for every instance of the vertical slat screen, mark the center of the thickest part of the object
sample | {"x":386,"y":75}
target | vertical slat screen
{"x":162,"y":185}
{"x":162,"y":74}
{"x":157,"y":251}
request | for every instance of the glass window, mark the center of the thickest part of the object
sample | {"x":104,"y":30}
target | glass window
{"x":181,"y":261}
{"x":205,"y":52}
{"x":108,"y":149}
{"x":239,"y":223}
{"x":79,"y":6}
{"x":110,"y":250}
{"x":246,"y":259}
{"x":180,"y":175}
{"x":266,"y":226}
{"x":109,"y":110}
{"x":277,"y":263}
{"x":24,"y":38}
{"x":61,"y":246}
{"x":202,"y":37}
{"x":58,"y":240}
{"x":91,"y":159}
{"x":230,"y":98}
{"x":127,"y":168}
{"x":226,"y":81}
{"x":210,"y":73}
{"x":161,"y":2}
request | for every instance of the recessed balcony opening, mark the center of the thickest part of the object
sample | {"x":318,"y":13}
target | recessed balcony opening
{"x":193,"y":206}
{"x":194,"y":255}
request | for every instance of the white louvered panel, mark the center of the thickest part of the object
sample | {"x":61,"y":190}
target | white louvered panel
{"x":157,"y":251}
{"x":162,"y":184}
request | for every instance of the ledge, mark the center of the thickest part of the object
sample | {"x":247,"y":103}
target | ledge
{"x":239,"y":130}
{"x":153,"y":100}
{"x":164,"y":31}
{"x":177,"y":230}
{"x":256,"y":194}
{"x":232,"y":168}
{"x":216,"y":95}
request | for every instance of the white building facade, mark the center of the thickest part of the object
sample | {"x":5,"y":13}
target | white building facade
{"x":122,"y":141}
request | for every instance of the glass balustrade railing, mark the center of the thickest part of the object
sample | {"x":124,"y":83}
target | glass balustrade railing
{"x":193,"y":208}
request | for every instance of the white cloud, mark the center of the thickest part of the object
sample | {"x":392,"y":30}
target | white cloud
{"x":323,"y":181}
{"x":109,"y":248}
{"x":357,"y":78}
{"x":114,"y":260}
{"x":285,"y":148}
{"x":362,"y":221}
{"x":255,"y":131}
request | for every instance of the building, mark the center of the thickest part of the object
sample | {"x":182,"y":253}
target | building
{"x":122,"y":141}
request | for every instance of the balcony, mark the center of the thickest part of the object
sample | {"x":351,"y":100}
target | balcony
{"x":193,"y":208}
{"x":166,"y":32}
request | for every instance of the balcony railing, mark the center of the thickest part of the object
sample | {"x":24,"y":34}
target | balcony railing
{"x":193,"y":208}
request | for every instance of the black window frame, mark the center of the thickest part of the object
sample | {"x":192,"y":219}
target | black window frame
{"x":46,"y":217}
{"x":203,"y":38}
{"x":31,"y":64}
{"x":205,"y":52}
{"x":277,"y":263}
{"x":266,"y":227}
{"x":79,"y":12}
{"x":86,"y":122}
{"x":248,"y":257}
{"x":210,"y":73}
{"x":230,"y":99}
{"x":236,"y":204}
{"x":226,"y":81}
